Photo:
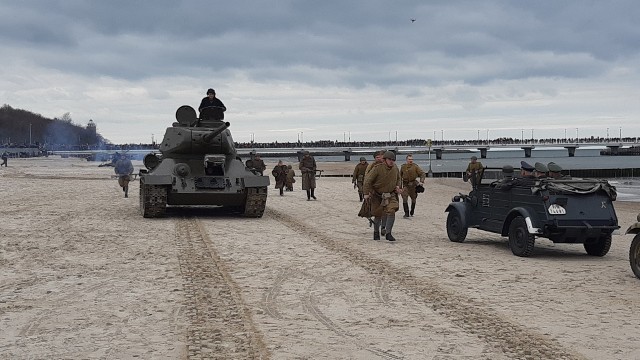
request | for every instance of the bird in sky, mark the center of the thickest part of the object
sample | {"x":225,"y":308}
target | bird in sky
{"x":413,"y":20}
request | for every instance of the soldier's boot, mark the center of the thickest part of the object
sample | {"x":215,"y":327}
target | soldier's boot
{"x":308,"y":195}
{"x":405,"y":206}
{"x":361,"y":196}
{"x":313,"y":195}
{"x":413,"y":208}
{"x":383,"y":230}
{"x":376,"y":229}
{"x":126,"y":191}
{"x":389,"y":227}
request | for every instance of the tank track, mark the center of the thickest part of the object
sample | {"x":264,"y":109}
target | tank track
{"x":256,"y":202}
{"x":153,"y":200}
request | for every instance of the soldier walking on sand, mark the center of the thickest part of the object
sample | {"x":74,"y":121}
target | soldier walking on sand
{"x":410,"y":172}
{"x":358,"y":176}
{"x":378,"y":158}
{"x":5,"y":156}
{"x":382,"y":186}
{"x":308,"y":168}
{"x":124,"y":169}
{"x":280,"y":173}
{"x":291,"y":178}
{"x":474,"y":172}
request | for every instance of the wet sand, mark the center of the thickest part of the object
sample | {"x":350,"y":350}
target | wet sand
{"x":83,"y":275}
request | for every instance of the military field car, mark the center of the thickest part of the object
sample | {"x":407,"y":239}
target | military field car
{"x":562,"y":210}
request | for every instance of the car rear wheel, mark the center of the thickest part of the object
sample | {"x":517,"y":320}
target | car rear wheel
{"x":599,"y":247}
{"x":634,"y":255}
{"x":520,"y":241}
{"x":456,"y":230}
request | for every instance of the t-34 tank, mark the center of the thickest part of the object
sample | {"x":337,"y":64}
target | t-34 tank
{"x":199,"y":166}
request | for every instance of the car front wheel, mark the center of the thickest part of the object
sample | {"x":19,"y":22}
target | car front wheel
{"x":520,"y":241}
{"x":456,"y":230}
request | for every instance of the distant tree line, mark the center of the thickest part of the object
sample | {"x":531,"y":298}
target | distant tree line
{"x":22,"y":127}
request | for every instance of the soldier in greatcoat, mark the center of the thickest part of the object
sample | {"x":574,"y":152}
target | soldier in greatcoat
{"x":378,"y":158}
{"x":382,"y":186}
{"x":410,"y":173}
{"x":358,"y":176}
{"x":291,"y":178}
{"x":280,"y":173}
{"x":308,"y":168}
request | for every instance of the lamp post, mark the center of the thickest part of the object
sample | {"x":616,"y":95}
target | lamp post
{"x":565,"y":135}
{"x":577,"y":138}
{"x":30,"y":134}
{"x":522,"y":135}
{"x":607,"y":134}
{"x":620,"y":133}
{"x":487,"y":136}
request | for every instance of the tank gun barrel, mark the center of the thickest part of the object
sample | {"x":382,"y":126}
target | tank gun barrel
{"x":209,"y":137}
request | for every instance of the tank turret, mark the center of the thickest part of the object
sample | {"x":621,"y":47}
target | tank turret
{"x":199,"y":166}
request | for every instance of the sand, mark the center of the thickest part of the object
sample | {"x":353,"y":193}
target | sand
{"x":83,"y":275}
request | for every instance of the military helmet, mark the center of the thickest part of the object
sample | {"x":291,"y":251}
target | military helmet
{"x":389,"y":155}
{"x":363,"y":159}
{"x":211,"y":91}
{"x":379,"y":152}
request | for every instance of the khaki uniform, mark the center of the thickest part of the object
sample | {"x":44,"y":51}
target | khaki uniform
{"x":409,"y":174}
{"x":290,"y":178}
{"x":474,"y":171}
{"x":358,"y":175}
{"x":381,"y":182}
{"x":308,"y":169}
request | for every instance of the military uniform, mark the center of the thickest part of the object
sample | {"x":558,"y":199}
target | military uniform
{"x":124,"y":169}
{"x":380,"y":184}
{"x":474,"y":172}
{"x":290,"y":178}
{"x":409,"y":173}
{"x":358,"y":176}
{"x":308,"y":168}
{"x":5,"y":156}
{"x":279,"y":172}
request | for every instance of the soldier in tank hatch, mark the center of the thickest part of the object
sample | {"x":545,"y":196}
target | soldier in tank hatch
{"x":211,"y":101}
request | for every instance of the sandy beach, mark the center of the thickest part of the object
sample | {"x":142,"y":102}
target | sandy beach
{"x":83,"y":275}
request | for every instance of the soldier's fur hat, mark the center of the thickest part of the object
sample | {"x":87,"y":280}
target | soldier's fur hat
{"x":389,"y":155}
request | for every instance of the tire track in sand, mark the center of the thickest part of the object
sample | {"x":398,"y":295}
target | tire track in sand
{"x":514,"y":339}
{"x":220,"y":325}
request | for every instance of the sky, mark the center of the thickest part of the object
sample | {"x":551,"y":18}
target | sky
{"x":356,"y":70}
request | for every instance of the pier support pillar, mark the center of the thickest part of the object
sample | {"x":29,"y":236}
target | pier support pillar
{"x":571,"y":150}
{"x":483,"y":152}
{"x":300,"y":155}
{"x":614,"y":149}
{"x":347,"y":155}
{"x":527,"y":150}
{"x":438,"y":154}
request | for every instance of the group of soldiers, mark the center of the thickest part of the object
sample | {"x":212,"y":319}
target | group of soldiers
{"x":379,"y":185}
{"x":285,"y":175}
{"x":474,"y":171}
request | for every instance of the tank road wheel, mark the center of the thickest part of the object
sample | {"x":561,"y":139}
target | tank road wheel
{"x":634,"y":255}
{"x":520,"y":241}
{"x":598,"y":247}
{"x":456,"y":230}
{"x":153,"y":200}
{"x":256,"y":202}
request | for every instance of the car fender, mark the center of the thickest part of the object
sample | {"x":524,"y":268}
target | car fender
{"x":462,"y":209}
{"x":529,"y":218}
{"x":633,"y":229}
